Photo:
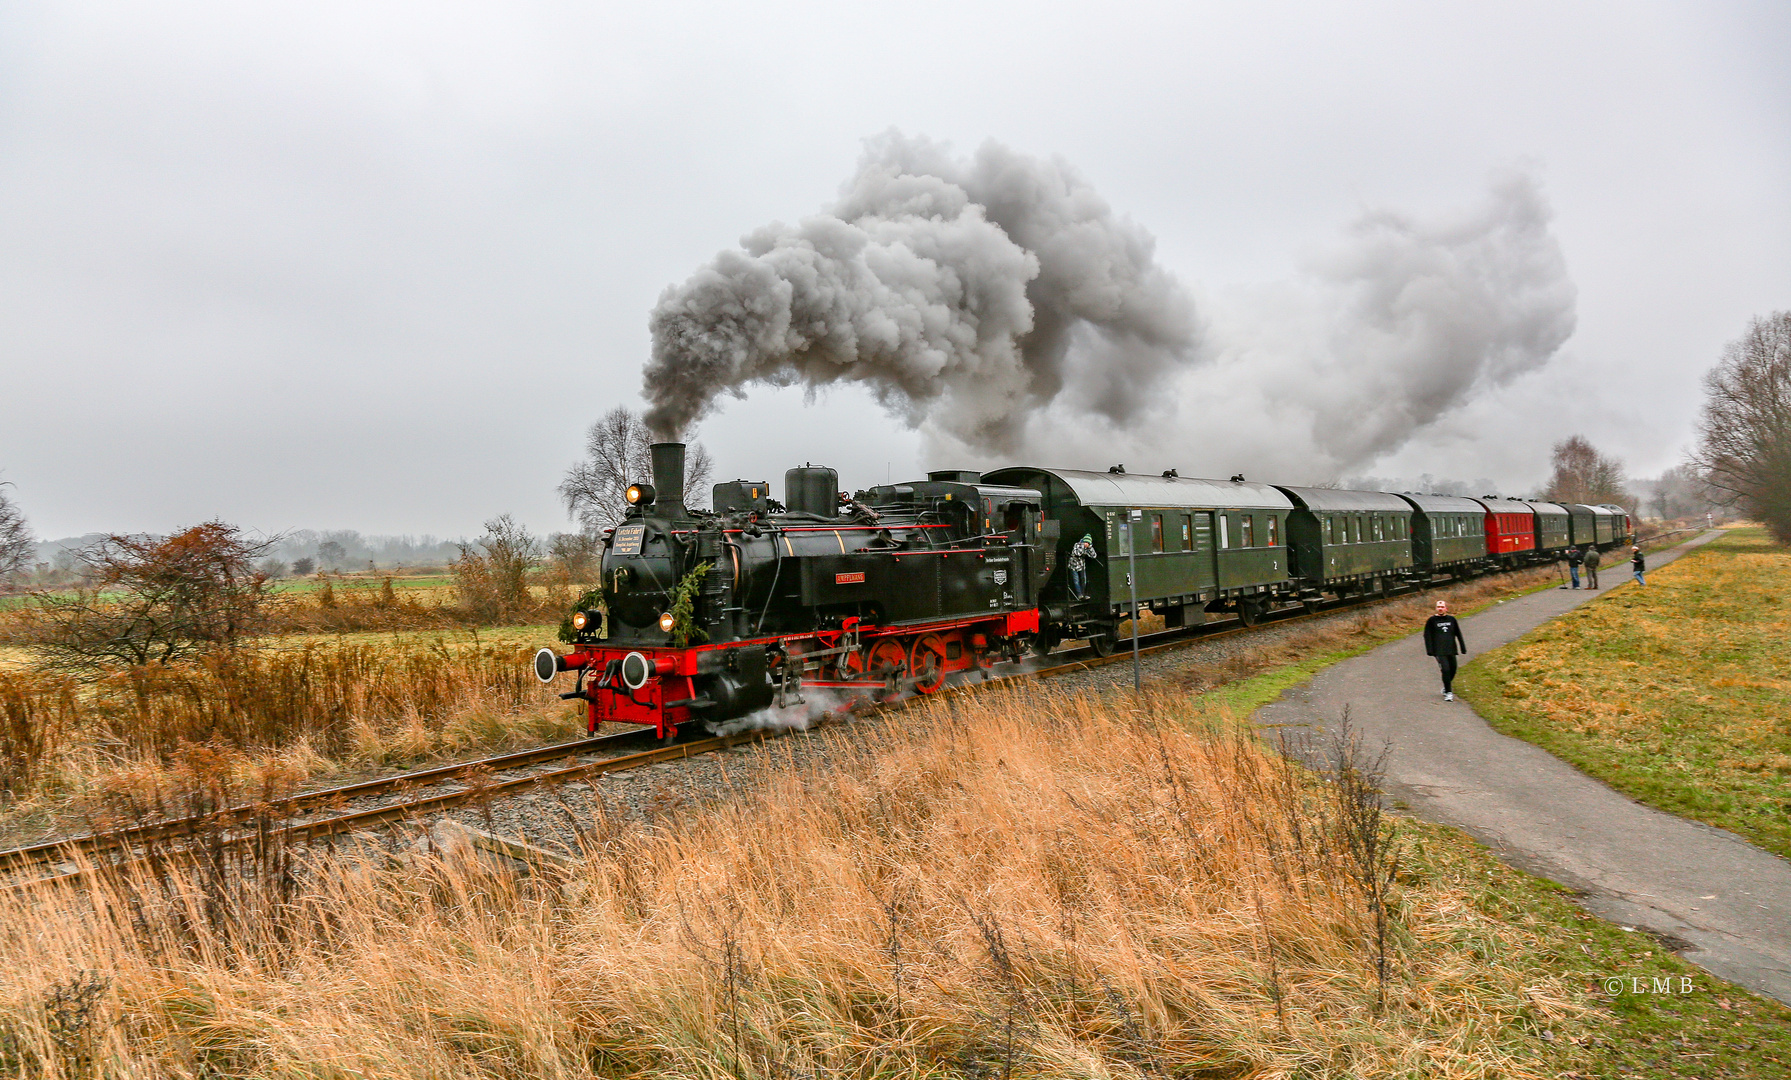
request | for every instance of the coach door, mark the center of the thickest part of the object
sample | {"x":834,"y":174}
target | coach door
{"x":1202,"y":562}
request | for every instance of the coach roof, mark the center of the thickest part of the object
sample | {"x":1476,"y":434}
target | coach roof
{"x":1444,"y":504}
{"x":1143,"y":489}
{"x":1332,"y":499}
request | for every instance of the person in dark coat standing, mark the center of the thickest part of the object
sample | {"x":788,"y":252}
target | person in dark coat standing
{"x":1574,"y":558}
{"x":1442,"y":639}
{"x":1636,"y":563}
{"x":1593,"y":558}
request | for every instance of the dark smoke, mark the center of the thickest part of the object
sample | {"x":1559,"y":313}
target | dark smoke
{"x":968,"y":293}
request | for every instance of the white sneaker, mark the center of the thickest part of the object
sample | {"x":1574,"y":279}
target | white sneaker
{"x":1447,"y":696}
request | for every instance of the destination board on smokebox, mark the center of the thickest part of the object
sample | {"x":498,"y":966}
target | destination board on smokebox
{"x":628,"y":539}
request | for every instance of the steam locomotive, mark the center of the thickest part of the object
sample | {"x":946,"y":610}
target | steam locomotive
{"x":712,"y":615}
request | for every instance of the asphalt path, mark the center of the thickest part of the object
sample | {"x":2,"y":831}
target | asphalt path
{"x":1717,"y":900}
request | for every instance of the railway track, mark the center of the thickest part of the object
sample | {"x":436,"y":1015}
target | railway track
{"x":483,"y":779}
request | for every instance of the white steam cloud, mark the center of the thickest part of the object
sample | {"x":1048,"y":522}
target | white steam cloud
{"x":968,"y":293}
{"x":1000,"y":306}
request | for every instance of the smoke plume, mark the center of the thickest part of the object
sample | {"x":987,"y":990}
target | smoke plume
{"x":968,"y":294}
{"x":998,"y":305}
{"x":1382,"y":338}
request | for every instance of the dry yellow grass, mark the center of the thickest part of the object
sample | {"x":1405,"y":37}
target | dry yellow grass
{"x":1023,"y":885}
{"x":311,"y":711}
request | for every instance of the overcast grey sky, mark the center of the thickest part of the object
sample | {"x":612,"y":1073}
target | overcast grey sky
{"x":377,"y":266}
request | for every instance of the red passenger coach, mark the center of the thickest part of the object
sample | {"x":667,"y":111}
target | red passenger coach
{"x":1510,"y":529}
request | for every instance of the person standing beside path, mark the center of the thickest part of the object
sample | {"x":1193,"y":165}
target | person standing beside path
{"x":1574,"y":558}
{"x":1442,"y":639}
{"x":1593,"y":558}
{"x":1637,"y":564}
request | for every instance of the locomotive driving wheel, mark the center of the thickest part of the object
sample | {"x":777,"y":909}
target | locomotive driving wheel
{"x":886,"y":657}
{"x":927,"y":663}
{"x":850,"y":666}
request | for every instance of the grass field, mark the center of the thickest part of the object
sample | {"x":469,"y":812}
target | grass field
{"x":1022,"y":884}
{"x":1677,"y":693}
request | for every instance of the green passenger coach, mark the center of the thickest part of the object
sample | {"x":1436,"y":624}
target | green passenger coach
{"x":1199,"y":545}
{"x":1448,"y":533}
{"x":1349,"y":541}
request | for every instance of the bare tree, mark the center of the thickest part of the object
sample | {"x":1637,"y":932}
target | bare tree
{"x":16,"y":542}
{"x":1583,"y":475}
{"x":1744,"y":436}
{"x":616,"y":455}
{"x":156,"y":600}
{"x":331,"y":553}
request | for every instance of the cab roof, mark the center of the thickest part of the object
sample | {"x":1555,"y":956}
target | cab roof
{"x":1328,"y":499}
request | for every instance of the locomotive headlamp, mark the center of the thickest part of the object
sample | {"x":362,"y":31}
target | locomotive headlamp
{"x":640,"y":494}
{"x":666,"y":622}
{"x":579,"y":619}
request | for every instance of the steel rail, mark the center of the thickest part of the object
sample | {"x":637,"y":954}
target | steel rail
{"x":58,"y":850}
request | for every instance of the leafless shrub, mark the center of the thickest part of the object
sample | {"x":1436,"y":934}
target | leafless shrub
{"x":1369,"y":843}
{"x":493,"y":582}
{"x":155,"y":601}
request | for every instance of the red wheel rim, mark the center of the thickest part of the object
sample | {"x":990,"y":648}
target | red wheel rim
{"x":887,"y":653}
{"x":928,"y":663}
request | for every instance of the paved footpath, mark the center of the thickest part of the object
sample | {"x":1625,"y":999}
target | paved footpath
{"x":1721,"y":902}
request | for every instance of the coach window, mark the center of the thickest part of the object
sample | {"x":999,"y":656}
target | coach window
{"x":1247,"y":535}
{"x":1224,"y":531}
{"x":1272,"y":530}
{"x":1156,"y":532}
{"x":1187,"y":532}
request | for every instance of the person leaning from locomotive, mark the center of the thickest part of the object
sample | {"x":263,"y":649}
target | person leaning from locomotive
{"x":1079,"y":556}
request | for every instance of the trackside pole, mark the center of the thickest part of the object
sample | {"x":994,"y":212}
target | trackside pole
{"x":1132,"y":579}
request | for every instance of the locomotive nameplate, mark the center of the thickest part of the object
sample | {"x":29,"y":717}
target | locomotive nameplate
{"x":628,"y":539}
{"x":854,"y":578}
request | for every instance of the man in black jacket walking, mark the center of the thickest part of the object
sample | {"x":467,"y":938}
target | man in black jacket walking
{"x":1442,"y":639}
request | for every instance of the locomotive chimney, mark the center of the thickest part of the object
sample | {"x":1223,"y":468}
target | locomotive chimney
{"x":668,"y":473}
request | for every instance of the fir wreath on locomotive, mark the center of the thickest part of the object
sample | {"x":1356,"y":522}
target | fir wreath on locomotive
{"x":710,"y":615}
